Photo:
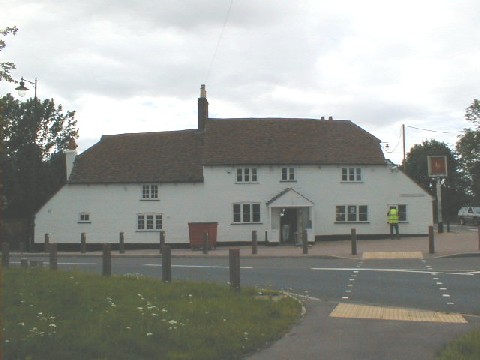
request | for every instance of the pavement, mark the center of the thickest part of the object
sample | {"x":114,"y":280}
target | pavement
{"x":321,"y":334}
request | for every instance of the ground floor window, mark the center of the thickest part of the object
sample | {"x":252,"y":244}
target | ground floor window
{"x":402,"y":211}
{"x":351,"y":213}
{"x":149,"y":222}
{"x":246,"y":213}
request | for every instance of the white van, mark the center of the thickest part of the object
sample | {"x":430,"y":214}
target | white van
{"x":469,"y":214}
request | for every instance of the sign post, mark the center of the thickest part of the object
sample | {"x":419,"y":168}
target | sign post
{"x":437,"y":169}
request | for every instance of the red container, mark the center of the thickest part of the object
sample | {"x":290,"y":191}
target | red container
{"x":196,"y":231}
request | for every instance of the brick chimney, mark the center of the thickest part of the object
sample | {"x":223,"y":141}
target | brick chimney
{"x":70,"y":156}
{"x":202,"y":108}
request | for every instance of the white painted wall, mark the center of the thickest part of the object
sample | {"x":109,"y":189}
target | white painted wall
{"x":113,"y":207}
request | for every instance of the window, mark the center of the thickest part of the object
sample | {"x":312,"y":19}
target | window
{"x":149,"y":222}
{"x":84,"y":217}
{"x":247,"y":175}
{"x":150,"y":192}
{"x":352,"y":174}
{"x":402,"y":211}
{"x":245,"y":213}
{"x":351,"y":213}
{"x":288,"y":174}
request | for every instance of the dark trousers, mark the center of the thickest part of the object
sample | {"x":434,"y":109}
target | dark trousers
{"x":397,"y":231}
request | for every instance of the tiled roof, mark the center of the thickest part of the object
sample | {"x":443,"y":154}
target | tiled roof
{"x":178,"y":156}
{"x":289,"y":141}
{"x":145,"y":157}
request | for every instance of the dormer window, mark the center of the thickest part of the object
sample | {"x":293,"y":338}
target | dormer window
{"x":150,"y":192}
{"x":247,"y":175}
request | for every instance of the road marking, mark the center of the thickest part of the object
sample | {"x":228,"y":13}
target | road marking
{"x":369,"y":255}
{"x":353,"y":311}
{"x":199,"y":266}
{"x":61,"y":263}
{"x":413,"y":271}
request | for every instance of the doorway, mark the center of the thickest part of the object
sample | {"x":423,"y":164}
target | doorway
{"x":288,"y":225}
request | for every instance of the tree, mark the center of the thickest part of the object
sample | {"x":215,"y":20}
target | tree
{"x":468,"y":148}
{"x":34,"y":135}
{"x":453,"y":190}
{"x":5,"y":67}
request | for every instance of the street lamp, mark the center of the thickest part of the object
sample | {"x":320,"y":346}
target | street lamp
{"x":22,"y":91}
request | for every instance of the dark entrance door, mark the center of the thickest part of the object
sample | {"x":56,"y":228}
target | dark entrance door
{"x":288,"y":225}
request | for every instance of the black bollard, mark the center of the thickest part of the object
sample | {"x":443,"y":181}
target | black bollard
{"x":53,"y":256}
{"x":83,"y":243}
{"x":166,"y":264}
{"x":121,"y":245}
{"x":254,"y":243}
{"x":234,"y":261}
{"x":5,"y":255}
{"x":305,"y":242}
{"x":107,"y":260}
{"x":205,"y":242}
{"x":354,"y":241}
{"x":431,"y":240}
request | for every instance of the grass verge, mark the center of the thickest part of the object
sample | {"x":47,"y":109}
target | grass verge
{"x":466,"y":347}
{"x":71,"y":315}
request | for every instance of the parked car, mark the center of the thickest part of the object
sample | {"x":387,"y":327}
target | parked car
{"x":469,"y":214}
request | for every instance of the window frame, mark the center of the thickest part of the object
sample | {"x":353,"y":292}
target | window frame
{"x":84,"y":217}
{"x":150,"y":222}
{"x":246,"y":175}
{"x":351,"y":213}
{"x":246,"y":213}
{"x":149,"y":192}
{"x":402,"y":211}
{"x":352,"y":174}
{"x":288,"y":174}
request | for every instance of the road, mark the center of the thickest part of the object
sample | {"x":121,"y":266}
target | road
{"x":440,"y":284}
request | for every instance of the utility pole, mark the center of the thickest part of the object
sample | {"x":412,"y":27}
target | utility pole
{"x":403,"y":142}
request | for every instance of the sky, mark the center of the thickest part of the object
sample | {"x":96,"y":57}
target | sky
{"x":137,"y":65}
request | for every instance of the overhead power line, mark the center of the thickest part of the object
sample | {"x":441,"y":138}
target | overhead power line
{"x":435,"y":131}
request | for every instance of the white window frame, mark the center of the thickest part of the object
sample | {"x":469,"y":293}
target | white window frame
{"x":351,"y":213}
{"x":84,"y":218}
{"x":288,"y":174}
{"x":149,"y":222}
{"x":149,"y":192}
{"x":246,"y":213}
{"x":246,"y":175}
{"x":352,"y":174}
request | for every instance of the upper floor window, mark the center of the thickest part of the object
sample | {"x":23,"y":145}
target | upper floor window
{"x":150,"y":192}
{"x":246,"y":213}
{"x":352,"y":174}
{"x":149,"y":222}
{"x":247,"y":175}
{"x":288,"y":174}
{"x":351,"y":213}
{"x":84,"y":217}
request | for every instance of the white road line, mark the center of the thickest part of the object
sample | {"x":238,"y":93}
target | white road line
{"x":199,"y":266}
{"x":413,"y":271}
{"x":60,"y":263}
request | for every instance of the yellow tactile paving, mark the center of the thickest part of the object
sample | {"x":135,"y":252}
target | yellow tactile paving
{"x":392,"y":255}
{"x":353,"y":311}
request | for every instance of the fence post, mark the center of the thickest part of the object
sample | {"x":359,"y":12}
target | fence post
{"x":166,"y":263}
{"x":122,"y":243}
{"x":162,"y":241}
{"x":431,"y":240}
{"x":47,"y":241}
{"x":107,"y":260}
{"x":83,"y":243}
{"x":254,"y":243}
{"x":353,"y":235}
{"x":234,"y":261}
{"x":53,"y":256}
{"x":5,"y":255}
{"x":205,"y":242}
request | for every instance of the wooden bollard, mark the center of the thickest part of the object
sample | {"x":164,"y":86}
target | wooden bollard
{"x":166,"y":263}
{"x":431,"y":240}
{"x":53,"y":256}
{"x":353,"y":235}
{"x":162,"y":241}
{"x":234,"y":262}
{"x":107,"y":260}
{"x":121,"y":245}
{"x":254,"y":243}
{"x":83,"y":243}
{"x":46,"y":242}
{"x":205,"y":242}
{"x":305,"y":242}
{"x":5,"y":255}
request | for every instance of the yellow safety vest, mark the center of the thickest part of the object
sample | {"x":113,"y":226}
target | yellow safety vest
{"x":393,"y":216}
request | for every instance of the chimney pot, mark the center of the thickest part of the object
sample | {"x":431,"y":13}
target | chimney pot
{"x":322,"y":118}
{"x":330,"y":118}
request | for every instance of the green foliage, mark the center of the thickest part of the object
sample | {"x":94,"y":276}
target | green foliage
{"x":34,"y":133}
{"x":63,"y":315}
{"x":466,"y":347}
{"x":468,"y":148}
{"x":6,"y":67}
{"x":416,"y":166}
